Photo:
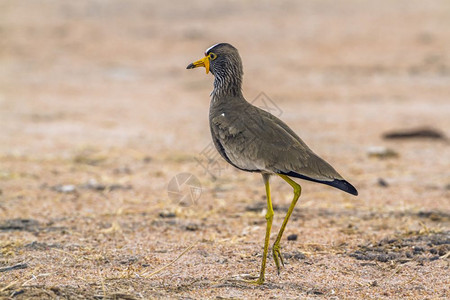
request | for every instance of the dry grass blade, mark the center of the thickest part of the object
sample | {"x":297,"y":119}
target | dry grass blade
{"x":102,"y":282}
{"x":65,"y":252}
{"x":146,"y":275}
{"x":445,"y":255}
{"x":8,"y":286}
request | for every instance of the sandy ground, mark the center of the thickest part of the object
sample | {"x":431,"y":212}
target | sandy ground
{"x":98,"y":115}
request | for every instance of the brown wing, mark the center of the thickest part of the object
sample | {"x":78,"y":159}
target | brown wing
{"x":255,"y":140}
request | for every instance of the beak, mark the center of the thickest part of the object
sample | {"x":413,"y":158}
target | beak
{"x":204,"y":62}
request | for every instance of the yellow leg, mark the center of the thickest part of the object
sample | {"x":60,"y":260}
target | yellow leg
{"x":276,"y":252}
{"x":269,"y":219}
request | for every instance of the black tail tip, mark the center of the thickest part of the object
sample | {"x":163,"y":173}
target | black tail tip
{"x":345,"y":186}
{"x":341,"y":184}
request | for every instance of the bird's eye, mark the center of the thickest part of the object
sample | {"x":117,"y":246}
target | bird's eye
{"x":213,"y":56}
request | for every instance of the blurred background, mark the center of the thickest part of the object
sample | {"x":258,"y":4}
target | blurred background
{"x":114,"y":72}
{"x":95,"y":100}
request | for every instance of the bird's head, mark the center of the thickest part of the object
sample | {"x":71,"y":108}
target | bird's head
{"x":220,"y":59}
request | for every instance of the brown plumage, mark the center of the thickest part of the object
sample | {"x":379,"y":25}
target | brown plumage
{"x":254,"y":140}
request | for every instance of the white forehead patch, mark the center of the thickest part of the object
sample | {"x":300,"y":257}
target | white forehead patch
{"x":206,"y":51}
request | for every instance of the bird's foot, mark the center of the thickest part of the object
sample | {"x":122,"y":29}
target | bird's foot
{"x":277,"y":257}
{"x":251,"y":279}
{"x":256,"y":280}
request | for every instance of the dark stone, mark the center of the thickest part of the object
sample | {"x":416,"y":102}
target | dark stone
{"x":19,"y":224}
{"x":292,"y":237}
{"x":167,"y":214}
{"x":296,"y":255}
{"x":406,"y":247}
{"x":299,"y":256}
{"x":17,"y":293}
{"x":418,"y":133}
{"x":418,"y":249}
{"x":147,"y":159}
{"x":383,"y":258}
{"x":382,"y":182}
{"x":129,"y":260}
{"x":192,"y":227}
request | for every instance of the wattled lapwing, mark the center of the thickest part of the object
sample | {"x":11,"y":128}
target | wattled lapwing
{"x":254,"y":140}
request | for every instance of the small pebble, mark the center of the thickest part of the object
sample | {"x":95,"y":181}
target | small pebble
{"x":418,"y":249}
{"x":147,"y":159}
{"x":122,"y":170}
{"x":167,"y":214}
{"x":192,"y":227}
{"x":66,"y":188}
{"x":382,"y":182}
{"x":16,"y":293}
{"x":292,"y":237}
{"x":92,"y":184}
{"x":299,"y":255}
{"x":381,"y":152}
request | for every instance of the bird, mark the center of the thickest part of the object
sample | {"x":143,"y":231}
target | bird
{"x":253,"y":140}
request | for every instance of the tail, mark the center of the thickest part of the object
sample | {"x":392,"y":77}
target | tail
{"x":341,"y":184}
